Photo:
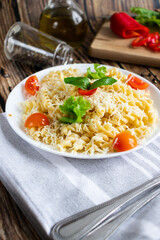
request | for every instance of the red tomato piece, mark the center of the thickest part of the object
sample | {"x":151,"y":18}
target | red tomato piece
{"x":124,"y":141}
{"x":32,"y":85}
{"x":86,"y":92}
{"x":36,"y":120}
{"x":136,"y":83}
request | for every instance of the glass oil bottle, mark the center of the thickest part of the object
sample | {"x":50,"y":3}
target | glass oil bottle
{"x":64,"y":19}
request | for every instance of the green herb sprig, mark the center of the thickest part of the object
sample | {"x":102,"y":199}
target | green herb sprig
{"x":99,"y":72}
{"x":75,"y":109}
{"x":84,"y":82}
{"x":146,"y":16}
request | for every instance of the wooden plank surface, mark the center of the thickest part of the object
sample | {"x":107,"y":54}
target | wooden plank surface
{"x":13,"y":224}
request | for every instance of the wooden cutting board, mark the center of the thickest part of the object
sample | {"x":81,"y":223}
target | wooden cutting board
{"x":108,"y":45}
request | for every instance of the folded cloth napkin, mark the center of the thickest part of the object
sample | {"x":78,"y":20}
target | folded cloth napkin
{"x":49,"y":188}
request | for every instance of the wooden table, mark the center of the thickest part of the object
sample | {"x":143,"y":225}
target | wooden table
{"x":13,"y":224}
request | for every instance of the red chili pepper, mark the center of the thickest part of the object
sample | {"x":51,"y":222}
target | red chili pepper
{"x":154,"y":37}
{"x":127,"y":27}
{"x":140,"y":41}
{"x":154,"y":43}
{"x":152,"y":40}
{"x":155,"y":46}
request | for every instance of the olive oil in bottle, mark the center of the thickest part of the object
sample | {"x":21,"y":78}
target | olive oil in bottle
{"x":65,"y":20}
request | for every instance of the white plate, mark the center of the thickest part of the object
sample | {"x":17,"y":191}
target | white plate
{"x":14,"y":112}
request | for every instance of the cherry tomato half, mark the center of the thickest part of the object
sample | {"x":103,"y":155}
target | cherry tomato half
{"x":136,"y":83}
{"x":124,"y":141}
{"x":86,"y":92}
{"x":32,"y":85}
{"x":36,"y":120}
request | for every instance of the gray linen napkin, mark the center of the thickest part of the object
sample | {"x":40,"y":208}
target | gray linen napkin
{"x":49,"y":188}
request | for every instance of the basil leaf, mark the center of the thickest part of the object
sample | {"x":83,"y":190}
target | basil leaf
{"x":84,"y":82}
{"x":81,"y":82}
{"x":103,"y":81}
{"x":75,"y":108}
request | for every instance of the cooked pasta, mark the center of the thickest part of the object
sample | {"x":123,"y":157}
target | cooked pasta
{"x":114,"y":109}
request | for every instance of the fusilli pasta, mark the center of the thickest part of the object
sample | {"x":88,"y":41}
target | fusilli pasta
{"x":115,"y":108}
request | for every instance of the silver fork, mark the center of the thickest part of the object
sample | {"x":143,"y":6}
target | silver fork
{"x":99,"y":222}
